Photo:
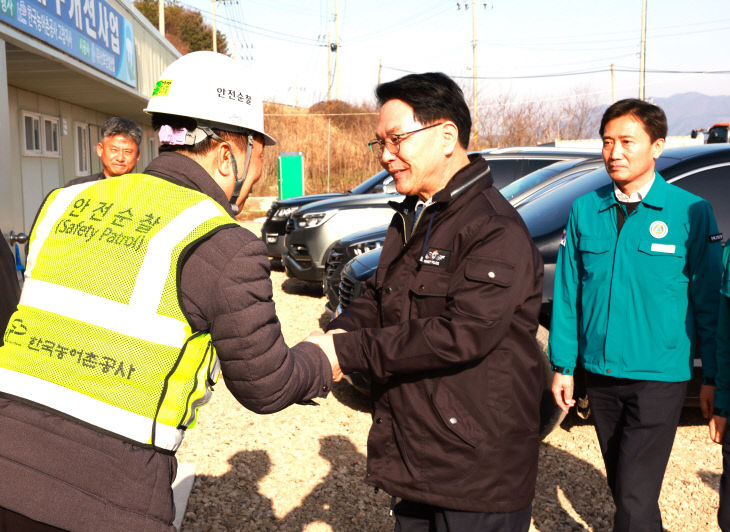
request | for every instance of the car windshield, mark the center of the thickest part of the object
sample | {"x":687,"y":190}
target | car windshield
{"x":535,"y":178}
{"x":717,"y":134}
{"x":366,"y":186}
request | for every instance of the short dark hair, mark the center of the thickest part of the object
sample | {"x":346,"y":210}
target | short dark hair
{"x":650,"y":115}
{"x":122,"y":126}
{"x":433,"y":96}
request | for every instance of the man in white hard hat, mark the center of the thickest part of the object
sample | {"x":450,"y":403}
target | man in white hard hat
{"x":138,"y":289}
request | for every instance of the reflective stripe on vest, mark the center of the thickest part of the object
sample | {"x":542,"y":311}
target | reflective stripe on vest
{"x":116,"y":354}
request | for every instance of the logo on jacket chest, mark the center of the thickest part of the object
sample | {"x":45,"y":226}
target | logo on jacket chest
{"x":436,"y":257}
{"x":658,"y":229}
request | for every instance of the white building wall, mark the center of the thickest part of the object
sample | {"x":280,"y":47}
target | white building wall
{"x":25,"y":180}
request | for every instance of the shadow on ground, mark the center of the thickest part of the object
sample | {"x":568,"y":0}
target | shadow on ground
{"x":350,"y":397}
{"x":691,"y":417}
{"x":571,"y":494}
{"x":302,"y":288}
{"x":563,"y":482}
{"x":240,"y":506}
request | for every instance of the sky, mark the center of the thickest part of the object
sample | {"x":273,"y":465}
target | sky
{"x":525,"y":49}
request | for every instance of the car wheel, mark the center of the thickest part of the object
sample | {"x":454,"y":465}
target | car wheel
{"x":550,"y":415}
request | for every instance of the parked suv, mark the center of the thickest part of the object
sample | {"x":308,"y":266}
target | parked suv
{"x":341,"y":252}
{"x":273,"y":231}
{"x":314,"y":228}
{"x":703,"y":170}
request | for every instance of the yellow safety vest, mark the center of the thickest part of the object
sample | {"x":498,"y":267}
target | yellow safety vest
{"x":99,"y":334}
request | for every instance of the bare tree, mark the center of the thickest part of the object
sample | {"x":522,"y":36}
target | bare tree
{"x":579,"y":119}
{"x":507,"y":121}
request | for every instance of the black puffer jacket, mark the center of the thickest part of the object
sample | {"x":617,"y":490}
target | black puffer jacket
{"x":449,"y":342}
{"x":71,"y":476}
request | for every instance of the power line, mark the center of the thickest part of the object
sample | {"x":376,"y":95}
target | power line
{"x":575,"y":73}
{"x":258,"y":30}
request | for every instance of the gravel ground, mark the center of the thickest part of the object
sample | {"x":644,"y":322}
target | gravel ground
{"x":302,"y":469}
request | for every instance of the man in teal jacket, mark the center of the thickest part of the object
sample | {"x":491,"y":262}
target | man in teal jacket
{"x":718,"y":423}
{"x":635,"y":294}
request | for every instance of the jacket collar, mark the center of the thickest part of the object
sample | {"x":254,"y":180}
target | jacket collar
{"x":184,"y":171}
{"x":476,"y":175}
{"x":656,"y":197}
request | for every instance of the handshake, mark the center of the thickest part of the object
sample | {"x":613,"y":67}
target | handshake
{"x":326,"y":343}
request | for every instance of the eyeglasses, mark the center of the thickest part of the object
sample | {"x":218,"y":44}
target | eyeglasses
{"x":393,"y":142}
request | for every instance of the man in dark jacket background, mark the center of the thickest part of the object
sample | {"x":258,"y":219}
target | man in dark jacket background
{"x":446,"y":327}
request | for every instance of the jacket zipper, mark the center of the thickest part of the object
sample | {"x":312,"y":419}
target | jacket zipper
{"x":413,"y":230}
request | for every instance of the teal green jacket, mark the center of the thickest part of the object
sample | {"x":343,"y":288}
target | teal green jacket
{"x":722,"y":393}
{"x":634,"y":305}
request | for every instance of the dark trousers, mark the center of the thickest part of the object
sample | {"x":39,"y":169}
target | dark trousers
{"x":636,"y":422}
{"x":15,"y":522}
{"x":723,"y":513}
{"x":417,"y":517}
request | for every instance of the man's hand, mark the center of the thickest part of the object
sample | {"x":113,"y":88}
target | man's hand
{"x":707,"y":400}
{"x":563,"y":391}
{"x":718,"y":425}
{"x":327,"y":344}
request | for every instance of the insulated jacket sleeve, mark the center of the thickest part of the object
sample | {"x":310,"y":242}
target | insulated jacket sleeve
{"x":495,"y":274}
{"x":225,"y":288}
{"x":705,"y":271}
{"x":563,"y":343}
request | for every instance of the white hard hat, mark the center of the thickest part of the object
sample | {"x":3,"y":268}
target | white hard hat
{"x":213,"y":89}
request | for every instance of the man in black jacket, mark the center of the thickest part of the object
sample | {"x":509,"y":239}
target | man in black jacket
{"x":446,"y":327}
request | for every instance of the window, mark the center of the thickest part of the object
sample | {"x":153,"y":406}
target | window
{"x":503,"y":171}
{"x":710,"y":183}
{"x":82,"y":149}
{"x":41,"y":135}
{"x":32,"y":130}
{"x":50,"y":137}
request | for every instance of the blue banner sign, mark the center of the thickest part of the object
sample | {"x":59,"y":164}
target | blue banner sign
{"x":90,"y":30}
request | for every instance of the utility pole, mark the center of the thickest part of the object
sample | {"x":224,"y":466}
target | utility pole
{"x":642,"y":67}
{"x":215,"y":34}
{"x":337,"y":57}
{"x":474,"y":124}
{"x":333,"y":47}
{"x":329,"y":67}
{"x":474,"y":87}
{"x":380,"y":69}
{"x":613,"y":84}
{"x":161,"y":16}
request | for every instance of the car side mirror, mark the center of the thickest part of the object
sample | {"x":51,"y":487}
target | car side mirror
{"x":693,"y":134}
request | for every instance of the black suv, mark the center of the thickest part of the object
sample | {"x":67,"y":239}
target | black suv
{"x":703,"y":170}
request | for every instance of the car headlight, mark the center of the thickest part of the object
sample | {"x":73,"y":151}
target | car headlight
{"x":364,"y":247}
{"x":285,"y":212}
{"x":313,"y":219}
